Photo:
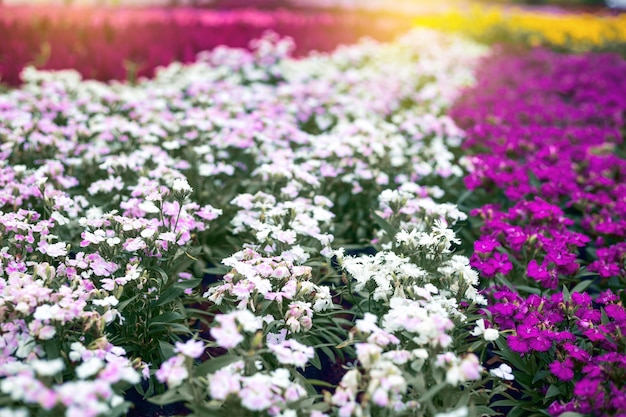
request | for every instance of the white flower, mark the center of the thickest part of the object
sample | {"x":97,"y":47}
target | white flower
{"x":46,"y":312}
{"x":225,"y":381}
{"x":504,"y":371}
{"x":368,"y":353}
{"x":59,"y":218}
{"x":48,"y":368}
{"x":55,"y":249}
{"x":459,"y":412}
{"x":291,"y":352}
{"x":181,"y":185}
{"x":14,"y":412}
{"x":89,"y":368}
{"x":488,"y":334}
{"x":491,"y":334}
{"x":134,"y":244}
{"x":107,"y":301}
{"x":148,"y":207}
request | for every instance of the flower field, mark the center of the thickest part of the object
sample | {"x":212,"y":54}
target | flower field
{"x":427,"y":226}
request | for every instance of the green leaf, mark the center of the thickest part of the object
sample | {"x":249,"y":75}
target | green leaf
{"x":511,"y":357}
{"x":540,"y":375}
{"x":122,"y":305}
{"x":432,"y":392}
{"x":166,"y":349}
{"x":553,"y":391}
{"x":119,"y":410}
{"x":483,"y":410}
{"x":169,"y":295}
{"x":51,"y":347}
{"x":504,"y":281}
{"x":162,"y":274}
{"x":214,"y":364}
{"x":179,"y":328}
{"x":168,"y":397}
{"x":517,"y":412}
{"x":463,"y":197}
{"x":505,"y":403}
{"x":604,"y":319}
{"x":218,"y":270}
{"x":582,"y":286}
{"x":320,"y":383}
{"x":328,"y":352}
{"x":566,"y":294}
{"x":315,"y":361}
{"x":528,"y":289}
{"x":189,"y":283}
{"x":165,"y":319}
{"x":476,"y":345}
{"x":385,"y":225}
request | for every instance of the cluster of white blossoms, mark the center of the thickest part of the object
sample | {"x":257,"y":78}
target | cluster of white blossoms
{"x":272,"y":391}
{"x":96,"y":371}
{"x":284,"y":227}
{"x":271,"y":285}
{"x":115,"y":197}
{"x":390,"y":376}
{"x":418,"y":285}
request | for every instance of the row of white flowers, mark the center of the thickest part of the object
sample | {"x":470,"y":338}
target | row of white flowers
{"x":117,"y":201}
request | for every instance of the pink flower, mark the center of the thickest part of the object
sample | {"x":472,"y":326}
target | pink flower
{"x":191,"y":348}
{"x":173,"y":371}
{"x":291,"y":352}
{"x":227,"y":335}
{"x":134,"y":244}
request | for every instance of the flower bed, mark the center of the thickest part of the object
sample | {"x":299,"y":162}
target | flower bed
{"x":117,"y":43}
{"x":546,"y":131}
{"x":254,"y":234}
{"x":189,"y":237}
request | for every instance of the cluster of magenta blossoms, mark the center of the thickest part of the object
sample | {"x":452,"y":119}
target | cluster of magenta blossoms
{"x":547,"y":167}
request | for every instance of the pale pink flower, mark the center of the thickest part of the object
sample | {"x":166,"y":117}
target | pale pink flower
{"x":292,"y":352}
{"x":173,"y":371}
{"x":226,"y":335}
{"x":134,"y":244}
{"x":191,"y":348}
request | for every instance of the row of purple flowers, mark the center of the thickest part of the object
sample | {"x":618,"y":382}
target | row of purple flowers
{"x":108,"y":44}
{"x":545,"y":132}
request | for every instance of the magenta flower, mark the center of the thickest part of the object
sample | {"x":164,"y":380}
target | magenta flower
{"x":518,"y":344}
{"x":586,"y":387}
{"x":563,"y":370}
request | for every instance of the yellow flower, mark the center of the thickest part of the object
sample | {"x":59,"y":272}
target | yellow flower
{"x":574,"y":32}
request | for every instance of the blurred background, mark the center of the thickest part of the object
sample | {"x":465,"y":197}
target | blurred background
{"x":128,"y":39}
{"x":405,"y":5}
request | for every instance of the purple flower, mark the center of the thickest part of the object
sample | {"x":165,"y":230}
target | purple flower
{"x":540,"y":273}
{"x":541,"y":342}
{"x":518,"y":344}
{"x":576,"y":353}
{"x":563,"y":370}
{"x":607,"y":297}
{"x":581,"y":299}
{"x":586,"y":387}
{"x":616,"y":312}
{"x":486,"y":245}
